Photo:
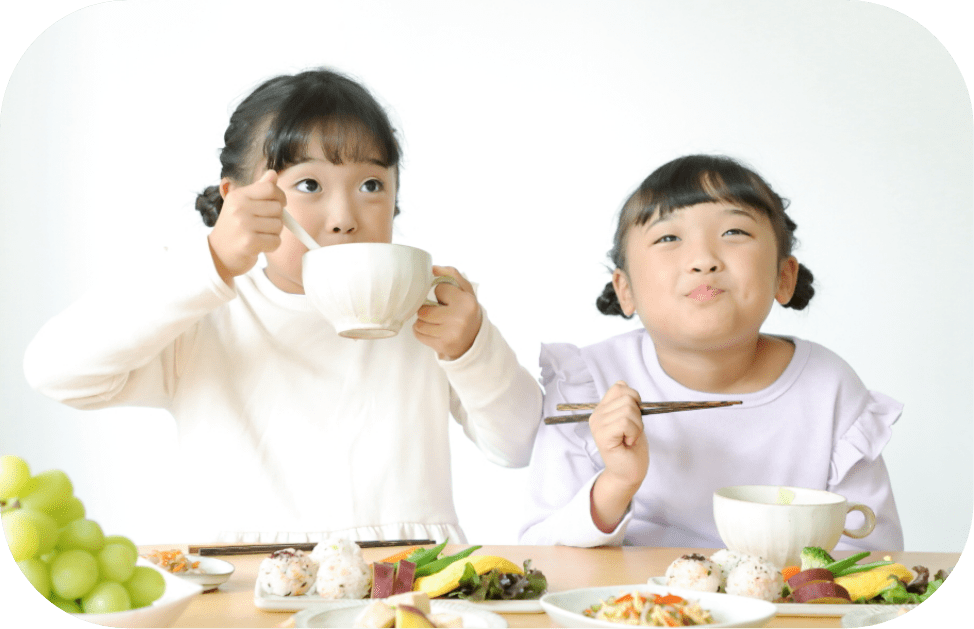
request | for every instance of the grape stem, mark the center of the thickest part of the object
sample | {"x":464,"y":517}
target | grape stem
{"x":4,"y":506}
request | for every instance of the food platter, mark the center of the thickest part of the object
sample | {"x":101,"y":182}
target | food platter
{"x":808,"y":609}
{"x":273,"y":602}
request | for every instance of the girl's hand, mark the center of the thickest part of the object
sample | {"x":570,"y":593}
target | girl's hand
{"x":617,"y":427}
{"x":249,"y":224}
{"x":451,"y":327}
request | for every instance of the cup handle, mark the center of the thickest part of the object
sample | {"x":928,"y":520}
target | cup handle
{"x":867,"y":527}
{"x":439,"y":279}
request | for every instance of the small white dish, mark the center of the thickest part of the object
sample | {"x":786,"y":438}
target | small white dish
{"x":162,"y":613}
{"x":344,"y":613}
{"x":565,"y":608}
{"x":873,"y":615}
{"x":213,"y":572}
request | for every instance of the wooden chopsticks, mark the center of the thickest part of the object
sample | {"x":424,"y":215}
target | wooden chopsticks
{"x":254,"y":549}
{"x":645,"y":408}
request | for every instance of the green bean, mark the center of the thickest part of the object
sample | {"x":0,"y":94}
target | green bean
{"x":862,"y":568}
{"x":439,"y":564}
{"x":423,"y":556}
{"x":838,"y":566}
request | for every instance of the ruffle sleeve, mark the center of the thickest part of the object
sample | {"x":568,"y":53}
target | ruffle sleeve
{"x":565,"y":377}
{"x":866,"y":437}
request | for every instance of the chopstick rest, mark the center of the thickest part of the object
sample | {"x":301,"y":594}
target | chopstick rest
{"x":645,"y":408}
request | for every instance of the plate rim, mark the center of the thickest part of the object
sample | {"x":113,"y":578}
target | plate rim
{"x":494,"y":619}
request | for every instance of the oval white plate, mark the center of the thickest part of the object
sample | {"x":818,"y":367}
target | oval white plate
{"x":565,"y":608}
{"x":273,"y":602}
{"x":344,"y":613}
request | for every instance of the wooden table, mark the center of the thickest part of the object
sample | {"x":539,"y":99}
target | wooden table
{"x":232,"y":605}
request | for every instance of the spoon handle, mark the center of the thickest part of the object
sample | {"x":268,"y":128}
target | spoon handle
{"x":298,"y":231}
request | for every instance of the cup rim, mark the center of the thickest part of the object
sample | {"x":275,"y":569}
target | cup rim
{"x":829,"y":498}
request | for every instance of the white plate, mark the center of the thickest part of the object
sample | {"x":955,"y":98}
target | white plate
{"x":162,"y":613}
{"x":565,"y":608}
{"x":344,"y":613}
{"x":273,"y":602}
{"x":869,"y":615}
{"x":807,"y":609}
{"x":214,"y":572}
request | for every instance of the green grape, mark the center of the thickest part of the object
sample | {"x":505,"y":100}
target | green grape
{"x":36,"y":572}
{"x":14,"y":474}
{"x":71,"y":607}
{"x":71,"y":509}
{"x":47,"y":530}
{"x":145,"y":586}
{"x":47,"y":490}
{"x":105,"y":598}
{"x":22,"y":535}
{"x":73,"y":573}
{"x":121,"y":539}
{"x":83,"y":534}
{"x":116,"y":562}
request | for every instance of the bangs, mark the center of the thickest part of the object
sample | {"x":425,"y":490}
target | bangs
{"x":689,"y":183}
{"x":340,"y":141}
{"x":348,"y":132}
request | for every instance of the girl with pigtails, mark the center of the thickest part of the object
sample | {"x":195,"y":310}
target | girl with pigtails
{"x":292,"y":432}
{"x":702,"y":251}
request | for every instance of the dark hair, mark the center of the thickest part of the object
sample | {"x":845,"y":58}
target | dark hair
{"x":277,"y":120}
{"x":694,"y":179}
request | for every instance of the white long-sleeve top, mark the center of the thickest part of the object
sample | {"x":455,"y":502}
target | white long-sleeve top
{"x":816,"y":426}
{"x":293,"y":431}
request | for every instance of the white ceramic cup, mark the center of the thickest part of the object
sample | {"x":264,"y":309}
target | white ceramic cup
{"x":776,"y":522}
{"x":367,"y":290}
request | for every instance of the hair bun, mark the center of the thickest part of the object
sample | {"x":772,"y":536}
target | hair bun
{"x":608,"y":302}
{"x":208,"y":204}
{"x":803,"y":289}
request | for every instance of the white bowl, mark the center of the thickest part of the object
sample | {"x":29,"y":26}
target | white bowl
{"x":213,"y":572}
{"x":565,"y":608}
{"x":162,"y":613}
{"x":777,"y":522}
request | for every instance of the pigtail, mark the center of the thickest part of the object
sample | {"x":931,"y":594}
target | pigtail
{"x":208,"y":204}
{"x":804,"y":291}
{"x":608,"y":302}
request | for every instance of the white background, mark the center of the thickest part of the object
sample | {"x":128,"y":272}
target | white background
{"x":525,"y":125}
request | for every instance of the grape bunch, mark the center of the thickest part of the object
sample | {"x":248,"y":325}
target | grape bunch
{"x":64,"y":555}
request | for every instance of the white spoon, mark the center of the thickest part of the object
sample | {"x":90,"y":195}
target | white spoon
{"x":298,"y":231}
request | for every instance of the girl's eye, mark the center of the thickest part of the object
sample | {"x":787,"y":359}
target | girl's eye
{"x":372,"y":185}
{"x":736,"y":232}
{"x":667,"y":238}
{"x":308,"y":185}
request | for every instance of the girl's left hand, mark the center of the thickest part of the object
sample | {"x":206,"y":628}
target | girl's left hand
{"x":451,"y":327}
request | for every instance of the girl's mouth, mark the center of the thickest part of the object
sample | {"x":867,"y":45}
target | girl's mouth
{"x":704,"y":293}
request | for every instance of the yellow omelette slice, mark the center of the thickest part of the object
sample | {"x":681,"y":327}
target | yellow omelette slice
{"x":447,"y":579}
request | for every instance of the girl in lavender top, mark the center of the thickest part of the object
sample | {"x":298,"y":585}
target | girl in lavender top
{"x":702,"y":251}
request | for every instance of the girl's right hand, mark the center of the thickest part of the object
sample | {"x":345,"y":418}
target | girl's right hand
{"x":249,"y":224}
{"x":617,"y":427}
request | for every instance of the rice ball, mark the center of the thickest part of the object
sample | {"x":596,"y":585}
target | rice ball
{"x":342,"y":571}
{"x":756,"y":578}
{"x":287,"y":572}
{"x":726,"y":559}
{"x":694,"y":572}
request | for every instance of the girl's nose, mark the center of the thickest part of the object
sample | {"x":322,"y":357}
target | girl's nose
{"x":704,"y":260}
{"x":339,"y":219}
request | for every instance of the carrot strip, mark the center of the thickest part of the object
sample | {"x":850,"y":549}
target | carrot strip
{"x":790,"y":571}
{"x":400,"y":555}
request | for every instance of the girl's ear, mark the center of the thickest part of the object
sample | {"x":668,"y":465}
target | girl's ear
{"x":225,"y":187}
{"x":787,"y":278}
{"x":620,"y":282}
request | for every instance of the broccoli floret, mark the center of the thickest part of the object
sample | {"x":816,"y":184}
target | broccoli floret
{"x":815,"y":557}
